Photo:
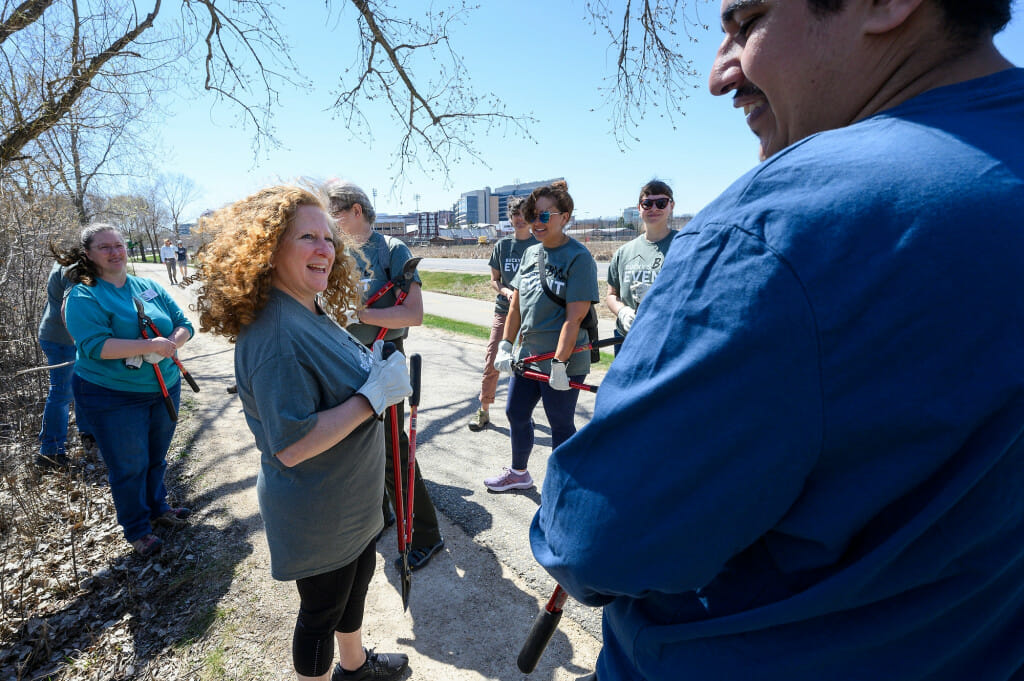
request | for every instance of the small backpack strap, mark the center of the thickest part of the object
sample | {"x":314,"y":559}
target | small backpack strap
{"x":384,"y":254}
{"x":542,"y":266}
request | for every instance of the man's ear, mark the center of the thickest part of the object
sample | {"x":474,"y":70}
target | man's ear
{"x":887,"y":15}
{"x":357,"y":210}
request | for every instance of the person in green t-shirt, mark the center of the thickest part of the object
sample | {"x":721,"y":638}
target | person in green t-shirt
{"x":381,"y":259}
{"x":505,"y":259}
{"x":636,"y":264}
{"x":559,"y":267}
{"x":276,"y":281}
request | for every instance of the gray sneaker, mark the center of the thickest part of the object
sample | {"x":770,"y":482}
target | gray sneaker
{"x":480,"y":420}
{"x":509,"y":480}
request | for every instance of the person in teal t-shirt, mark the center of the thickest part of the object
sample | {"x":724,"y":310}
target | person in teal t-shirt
{"x":115,"y":384}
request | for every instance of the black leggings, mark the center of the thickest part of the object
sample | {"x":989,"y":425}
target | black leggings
{"x":332,"y":601}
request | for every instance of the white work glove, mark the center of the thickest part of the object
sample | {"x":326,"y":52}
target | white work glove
{"x":559,"y":380}
{"x":153,"y":357}
{"x":388,"y":382}
{"x":503,"y":360}
{"x":626,"y":316}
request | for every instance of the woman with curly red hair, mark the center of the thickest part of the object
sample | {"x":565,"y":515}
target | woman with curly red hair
{"x":276,"y":283}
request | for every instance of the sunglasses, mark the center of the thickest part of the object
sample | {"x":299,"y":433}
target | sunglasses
{"x":646,"y":204}
{"x":545,"y":217}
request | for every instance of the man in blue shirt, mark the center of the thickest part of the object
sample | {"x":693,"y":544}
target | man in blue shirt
{"x":807,"y":460}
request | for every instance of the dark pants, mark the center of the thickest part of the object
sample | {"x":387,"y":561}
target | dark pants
{"x":425,"y":531}
{"x":330,"y":602}
{"x":559,"y":406}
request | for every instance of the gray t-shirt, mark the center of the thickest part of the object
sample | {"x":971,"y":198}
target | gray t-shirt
{"x":635,"y":266}
{"x":51,"y":327}
{"x":289,"y":365}
{"x":571,"y":275}
{"x":368,"y":257}
{"x":505,"y":258}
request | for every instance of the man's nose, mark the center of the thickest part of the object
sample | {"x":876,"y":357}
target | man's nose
{"x":726,"y":73}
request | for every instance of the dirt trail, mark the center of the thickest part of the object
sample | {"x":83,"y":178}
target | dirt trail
{"x":470,"y":608}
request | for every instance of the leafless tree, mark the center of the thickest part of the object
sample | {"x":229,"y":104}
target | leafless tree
{"x":651,"y":71}
{"x":176,"y":192}
{"x":406,"y":61}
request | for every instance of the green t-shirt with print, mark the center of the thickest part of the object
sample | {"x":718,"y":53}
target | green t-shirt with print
{"x":505,"y":258}
{"x":571,"y":274}
{"x":634,"y":267}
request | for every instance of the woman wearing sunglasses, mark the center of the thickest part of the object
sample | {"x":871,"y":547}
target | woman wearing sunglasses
{"x":551,"y":294}
{"x":635,"y":265}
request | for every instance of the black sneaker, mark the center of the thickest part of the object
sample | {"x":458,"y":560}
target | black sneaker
{"x":378,"y":667}
{"x":420,"y":556}
{"x":53,"y":461}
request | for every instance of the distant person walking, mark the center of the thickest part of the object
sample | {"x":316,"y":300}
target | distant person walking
{"x":505,"y":258}
{"x":552,"y":293}
{"x":636,"y":264}
{"x":182,"y":254}
{"x":169,"y":256}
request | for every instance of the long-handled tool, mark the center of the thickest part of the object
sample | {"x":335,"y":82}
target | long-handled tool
{"x":542,"y":630}
{"x":403,"y":281}
{"x":519,"y":366}
{"x":146,"y":326}
{"x":405,"y":524}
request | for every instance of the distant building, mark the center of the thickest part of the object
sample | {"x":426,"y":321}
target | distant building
{"x":487,"y":206}
{"x":631,"y":216}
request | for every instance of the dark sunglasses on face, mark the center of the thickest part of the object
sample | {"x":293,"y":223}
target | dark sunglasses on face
{"x":545,"y":217}
{"x":646,"y":204}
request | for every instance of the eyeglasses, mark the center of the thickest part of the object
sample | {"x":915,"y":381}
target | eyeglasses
{"x":545,"y":217}
{"x":646,"y":204}
{"x":109,"y":248}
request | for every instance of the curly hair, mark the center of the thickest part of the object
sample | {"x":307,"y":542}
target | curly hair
{"x":557,"y":191}
{"x":235,"y":266}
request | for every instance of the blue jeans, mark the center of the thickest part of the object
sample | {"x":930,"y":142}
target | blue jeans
{"x":133,"y":432}
{"x":559,"y":406}
{"x":53,"y":435}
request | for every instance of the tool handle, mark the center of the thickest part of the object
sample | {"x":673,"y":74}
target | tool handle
{"x":603,"y":343}
{"x":541,"y":632}
{"x":186,"y":375}
{"x":415,"y":368}
{"x":544,"y":378}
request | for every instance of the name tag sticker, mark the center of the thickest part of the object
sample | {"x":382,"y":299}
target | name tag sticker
{"x":148,"y":295}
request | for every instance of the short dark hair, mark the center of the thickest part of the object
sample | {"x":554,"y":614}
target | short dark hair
{"x":557,"y":191}
{"x":656,"y":187}
{"x":965,"y":19}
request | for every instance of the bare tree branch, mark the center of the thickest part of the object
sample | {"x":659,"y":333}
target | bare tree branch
{"x":653,"y":74}
{"x":52,"y":111}
{"x":24,"y":15}
{"x":439,"y":114}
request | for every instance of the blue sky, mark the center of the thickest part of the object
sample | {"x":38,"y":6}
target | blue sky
{"x":542,"y":59}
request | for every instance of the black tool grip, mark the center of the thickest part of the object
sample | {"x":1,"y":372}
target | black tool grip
{"x":605,"y":342}
{"x":415,"y":368}
{"x":542,"y":630}
{"x":191,"y":381}
{"x":540,"y":634}
{"x":388,"y":350}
